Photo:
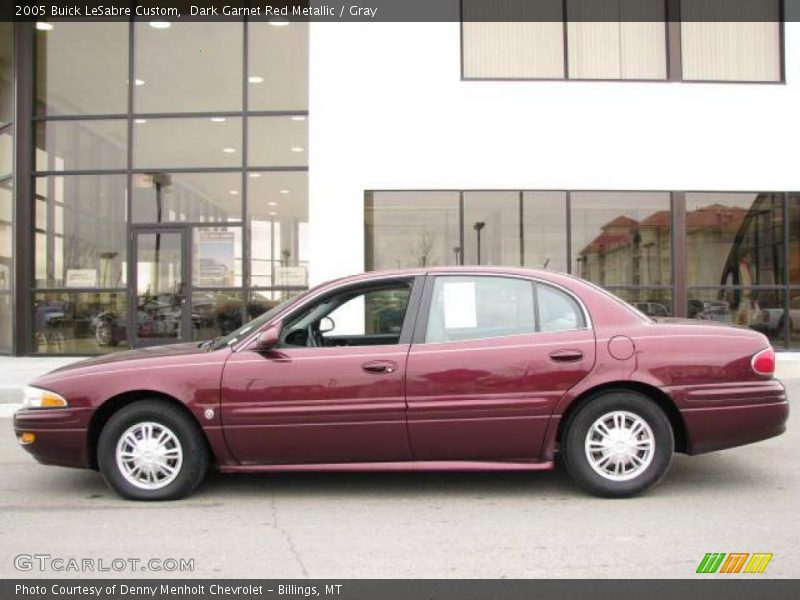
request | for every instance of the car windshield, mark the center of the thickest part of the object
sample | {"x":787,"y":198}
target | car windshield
{"x":235,"y":336}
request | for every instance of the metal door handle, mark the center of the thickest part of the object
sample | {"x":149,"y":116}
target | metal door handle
{"x":566,"y":355}
{"x":380,"y":367}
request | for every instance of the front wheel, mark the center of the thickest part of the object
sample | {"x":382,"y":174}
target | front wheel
{"x":150,"y":450}
{"x":618,"y":444}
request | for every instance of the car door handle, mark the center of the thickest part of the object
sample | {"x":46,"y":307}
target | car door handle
{"x":380,"y":367}
{"x":566,"y":355}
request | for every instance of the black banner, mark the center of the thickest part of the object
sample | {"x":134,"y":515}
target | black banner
{"x":399,"y":589}
{"x":405,"y":10}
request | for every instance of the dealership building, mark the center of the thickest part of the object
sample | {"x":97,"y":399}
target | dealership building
{"x":168,"y":181}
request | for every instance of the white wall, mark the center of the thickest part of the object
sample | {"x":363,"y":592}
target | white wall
{"x":389,"y":111}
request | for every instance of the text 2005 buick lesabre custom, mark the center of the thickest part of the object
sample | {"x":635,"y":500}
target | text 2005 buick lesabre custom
{"x":430,"y":368}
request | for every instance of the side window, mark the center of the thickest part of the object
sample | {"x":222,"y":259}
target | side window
{"x":471,"y":308}
{"x":558,"y":311}
{"x":358,"y":316}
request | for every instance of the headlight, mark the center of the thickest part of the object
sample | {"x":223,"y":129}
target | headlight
{"x":37,"y":398}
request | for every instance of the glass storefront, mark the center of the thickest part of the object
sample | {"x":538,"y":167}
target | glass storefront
{"x":6,"y":187}
{"x":171,"y":187}
{"x":742,"y":250}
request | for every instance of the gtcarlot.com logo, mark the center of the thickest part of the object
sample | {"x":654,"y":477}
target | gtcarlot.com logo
{"x":71,"y":564}
{"x":734,"y":562}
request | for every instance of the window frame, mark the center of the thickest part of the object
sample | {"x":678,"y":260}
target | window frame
{"x":424,"y":310}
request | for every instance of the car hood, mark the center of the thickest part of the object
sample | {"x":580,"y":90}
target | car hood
{"x":131,"y":355}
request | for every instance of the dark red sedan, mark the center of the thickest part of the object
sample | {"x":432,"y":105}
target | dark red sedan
{"x":431,"y":368}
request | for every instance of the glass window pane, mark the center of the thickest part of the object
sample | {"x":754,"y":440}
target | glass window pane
{"x":544,"y":229}
{"x":492,"y":228}
{"x":7,"y":318}
{"x":6,"y":150}
{"x":277,"y":206}
{"x":188,"y":67}
{"x":411,"y":229}
{"x":622,"y":238}
{"x":794,"y":318}
{"x":609,"y":39}
{"x":6,"y":236}
{"x":261,"y":301}
{"x":6,"y":71}
{"x":80,"y":323}
{"x":794,"y":239}
{"x":530,"y":44}
{"x":761,"y":310}
{"x":719,"y":42}
{"x":473,"y":308}
{"x":278,"y":141}
{"x":81,"y":231}
{"x":194,"y":197}
{"x":734,"y":239}
{"x":81,"y":145}
{"x":653,"y":303}
{"x":82,"y":68}
{"x":187,"y":143}
{"x":216,"y":313}
{"x":557,"y":311}
{"x":217,"y":257}
{"x":278,"y":65}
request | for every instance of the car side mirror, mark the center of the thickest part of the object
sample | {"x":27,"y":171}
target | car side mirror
{"x":268,"y":338}
{"x":326,"y":325}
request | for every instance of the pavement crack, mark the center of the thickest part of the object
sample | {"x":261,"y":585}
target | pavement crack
{"x":287,"y":536}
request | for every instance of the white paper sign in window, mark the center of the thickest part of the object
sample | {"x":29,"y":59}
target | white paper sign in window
{"x":459,"y":305}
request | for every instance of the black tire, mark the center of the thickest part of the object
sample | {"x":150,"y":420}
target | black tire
{"x":577,"y":429}
{"x":190,"y":441}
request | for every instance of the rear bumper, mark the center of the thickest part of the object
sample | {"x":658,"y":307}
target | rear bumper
{"x":717,"y":428}
{"x":61,"y":436}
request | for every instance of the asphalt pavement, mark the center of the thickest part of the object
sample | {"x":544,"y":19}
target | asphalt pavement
{"x":412,"y":525}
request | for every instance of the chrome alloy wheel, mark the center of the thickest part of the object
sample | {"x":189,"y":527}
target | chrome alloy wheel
{"x":620,"y":445}
{"x":149,"y":455}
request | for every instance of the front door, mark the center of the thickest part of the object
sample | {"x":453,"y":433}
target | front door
{"x":159,"y":311}
{"x":333,"y":389}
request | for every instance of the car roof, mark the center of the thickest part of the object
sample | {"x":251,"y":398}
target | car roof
{"x":481,"y":270}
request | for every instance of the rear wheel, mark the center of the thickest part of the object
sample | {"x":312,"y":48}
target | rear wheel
{"x":618,"y":444}
{"x":150,"y":450}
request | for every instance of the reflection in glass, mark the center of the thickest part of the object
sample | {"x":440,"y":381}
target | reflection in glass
{"x":215,"y":313}
{"x":161,"y":197}
{"x":794,"y":238}
{"x":187,"y":142}
{"x":80,"y":323}
{"x":217,"y":257}
{"x":80,"y":228}
{"x":544,"y":230}
{"x":261,"y":301}
{"x":188,"y":67}
{"x":653,"y":303}
{"x":277,"y":206}
{"x":759,"y":309}
{"x":82,"y":68}
{"x":278,"y":66}
{"x":492,"y":228}
{"x":6,"y":150}
{"x":160,"y":286}
{"x":6,"y":237}
{"x":6,"y":71}
{"x":412,"y":229}
{"x":6,"y":318}
{"x":734,"y":239}
{"x":794,"y":318}
{"x":81,"y":145}
{"x":621,"y":238}
{"x":277,"y":141}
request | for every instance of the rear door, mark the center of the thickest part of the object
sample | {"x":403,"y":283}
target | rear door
{"x":491,"y":357}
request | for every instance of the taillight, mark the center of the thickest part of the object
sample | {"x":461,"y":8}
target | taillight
{"x":763,"y":362}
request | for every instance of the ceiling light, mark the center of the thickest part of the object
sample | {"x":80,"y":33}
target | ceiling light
{"x":272,"y":213}
{"x":42,"y":26}
{"x":255,"y":79}
{"x":229,"y":150}
{"x":255,"y":175}
{"x":217,"y":119}
{"x":272,"y":204}
{"x":297,"y":148}
{"x":234,"y":192}
{"x":278,"y":22}
{"x":298,"y":118}
{"x":284,"y":191}
{"x":160,"y":24}
{"x":139,"y":81}
{"x":140,"y":121}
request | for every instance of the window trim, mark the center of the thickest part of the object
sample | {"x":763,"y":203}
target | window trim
{"x":421,"y":326}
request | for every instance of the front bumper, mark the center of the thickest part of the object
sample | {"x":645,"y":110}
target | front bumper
{"x":61,"y":435}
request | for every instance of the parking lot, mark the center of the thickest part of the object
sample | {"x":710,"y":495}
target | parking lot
{"x":468,"y":525}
